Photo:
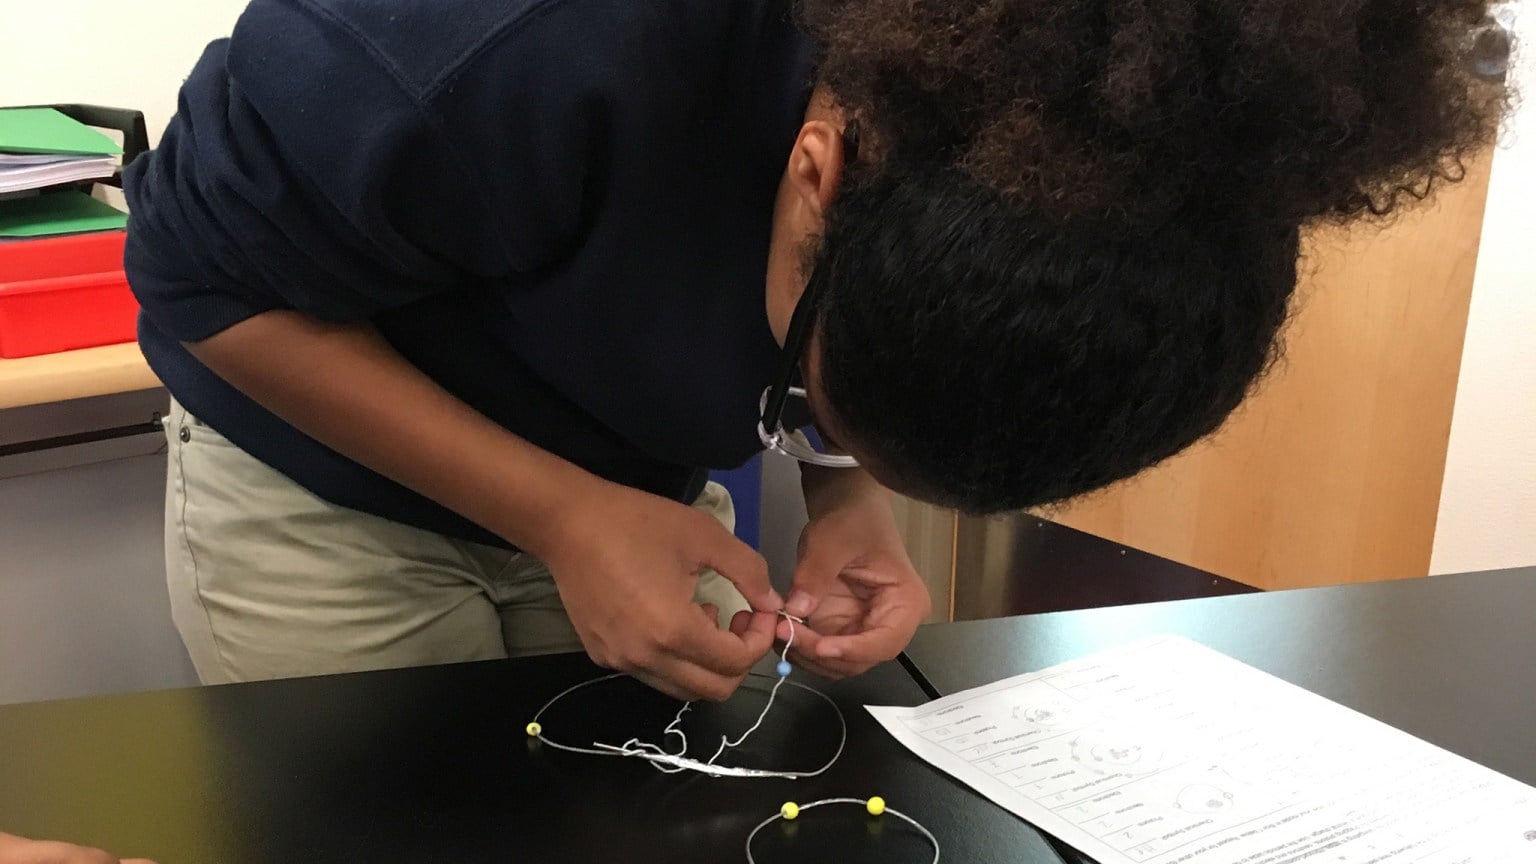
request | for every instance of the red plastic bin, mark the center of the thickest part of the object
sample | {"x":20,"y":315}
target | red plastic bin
{"x":62,"y":293}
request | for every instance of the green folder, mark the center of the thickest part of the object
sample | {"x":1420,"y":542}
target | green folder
{"x":34,"y":131}
{"x":66,"y":212}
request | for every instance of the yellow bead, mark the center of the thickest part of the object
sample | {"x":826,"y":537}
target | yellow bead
{"x":875,"y":806}
{"x":535,"y":730}
{"x":790,"y":810}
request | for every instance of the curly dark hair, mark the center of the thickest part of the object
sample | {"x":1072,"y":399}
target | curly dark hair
{"x":1071,"y":239}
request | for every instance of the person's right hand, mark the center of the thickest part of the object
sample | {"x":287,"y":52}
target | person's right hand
{"x":20,"y":850}
{"x":627,"y":562}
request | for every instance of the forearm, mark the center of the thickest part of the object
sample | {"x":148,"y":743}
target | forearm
{"x":346,"y":387}
{"x":827,"y":489}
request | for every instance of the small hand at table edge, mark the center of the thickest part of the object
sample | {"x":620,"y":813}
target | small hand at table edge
{"x":20,"y":850}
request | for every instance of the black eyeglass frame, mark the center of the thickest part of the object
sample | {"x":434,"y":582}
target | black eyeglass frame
{"x":770,"y":427}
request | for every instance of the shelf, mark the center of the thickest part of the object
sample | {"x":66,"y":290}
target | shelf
{"x":74,"y":375}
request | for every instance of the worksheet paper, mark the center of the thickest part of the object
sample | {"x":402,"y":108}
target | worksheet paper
{"x":1166,"y":752}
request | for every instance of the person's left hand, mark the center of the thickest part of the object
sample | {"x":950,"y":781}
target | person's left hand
{"x":854,"y":585}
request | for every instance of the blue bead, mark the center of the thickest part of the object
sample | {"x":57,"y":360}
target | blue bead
{"x":785,"y":668}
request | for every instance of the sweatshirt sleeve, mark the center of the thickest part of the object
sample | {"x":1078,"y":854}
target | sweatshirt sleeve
{"x":303,"y":171}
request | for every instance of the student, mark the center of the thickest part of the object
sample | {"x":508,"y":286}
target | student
{"x":459,"y":299}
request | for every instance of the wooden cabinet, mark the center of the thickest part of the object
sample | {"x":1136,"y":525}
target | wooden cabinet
{"x":1332,"y":471}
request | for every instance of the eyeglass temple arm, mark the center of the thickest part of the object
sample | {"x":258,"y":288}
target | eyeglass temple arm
{"x":805,"y":313}
{"x":794,"y":346}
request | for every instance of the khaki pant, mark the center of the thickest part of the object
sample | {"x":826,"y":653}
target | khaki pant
{"x":268,"y":581}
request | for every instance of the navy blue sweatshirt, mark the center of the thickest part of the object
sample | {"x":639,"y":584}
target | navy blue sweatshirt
{"x":557,"y":209}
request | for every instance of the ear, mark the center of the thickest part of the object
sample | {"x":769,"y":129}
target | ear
{"x":816,"y":168}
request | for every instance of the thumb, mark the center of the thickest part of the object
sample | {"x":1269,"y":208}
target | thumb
{"x":743,"y":567}
{"x":817,"y":569}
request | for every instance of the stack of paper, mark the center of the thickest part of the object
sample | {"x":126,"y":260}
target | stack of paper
{"x":39,"y":147}
{"x":1166,"y":752}
{"x":18,"y":176}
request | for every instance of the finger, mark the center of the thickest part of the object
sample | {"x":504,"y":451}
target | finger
{"x":740,"y":621}
{"x":721,"y":652}
{"x":712,"y":612}
{"x":703,"y":662}
{"x":691,"y":682}
{"x":808,"y":649}
{"x":797,"y":636}
{"x":744,"y":568}
{"x":876,"y":644}
{"x":884,"y":634}
{"x":802,"y":652}
{"x":820,"y":563}
{"x":829,"y":673}
{"x":52,"y":852}
{"x":832,"y":670}
{"x":797,"y":630}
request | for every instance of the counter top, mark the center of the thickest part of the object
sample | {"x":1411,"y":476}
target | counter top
{"x":432,"y":764}
{"x":74,"y":375}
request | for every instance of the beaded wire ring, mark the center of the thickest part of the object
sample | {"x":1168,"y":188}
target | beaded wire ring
{"x":676,"y":761}
{"x":874,"y":806}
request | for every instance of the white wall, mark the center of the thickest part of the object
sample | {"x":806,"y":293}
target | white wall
{"x":122,"y":53}
{"x":1488,"y":503}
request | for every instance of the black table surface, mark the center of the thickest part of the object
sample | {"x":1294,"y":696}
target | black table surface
{"x":430,"y":765}
{"x":1027,"y":566}
{"x":1450,"y":659}
{"x":433,"y":765}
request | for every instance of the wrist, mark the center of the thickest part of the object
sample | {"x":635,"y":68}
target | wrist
{"x":544,"y":511}
{"x":829,"y":489}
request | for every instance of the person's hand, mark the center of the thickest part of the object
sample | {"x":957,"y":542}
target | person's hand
{"x":20,"y":850}
{"x":854,"y":584}
{"x":627,"y":563}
